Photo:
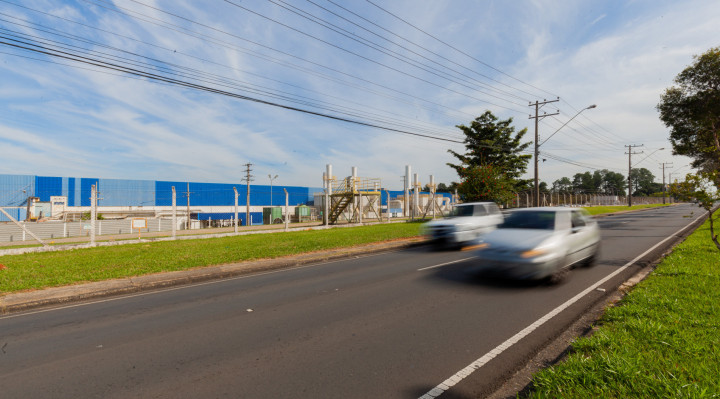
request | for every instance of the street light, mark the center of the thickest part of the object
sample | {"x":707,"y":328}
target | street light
{"x":271,"y":182}
{"x":648,"y":156}
{"x":537,"y":152}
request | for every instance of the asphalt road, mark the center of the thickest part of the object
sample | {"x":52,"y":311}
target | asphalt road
{"x":396,"y":324}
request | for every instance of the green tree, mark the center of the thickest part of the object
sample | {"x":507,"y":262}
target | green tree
{"x":692,"y":111}
{"x":643,"y":182}
{"x":543,"y":187}
{"x":562,"y":185}
{"x":586,"y":183}
{"x":613,"y":183}
{"x":486,"y":183}
{"x":700,"y":187}
{"x":493,"y":159}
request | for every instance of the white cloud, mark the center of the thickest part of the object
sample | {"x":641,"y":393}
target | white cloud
{"x":84,"y":123}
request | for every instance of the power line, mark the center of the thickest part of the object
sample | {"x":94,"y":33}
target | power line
{"x":368,"y":58}
{"x":102,"y":64}
{"x":464,"y":53}
{"x":346,"y":33}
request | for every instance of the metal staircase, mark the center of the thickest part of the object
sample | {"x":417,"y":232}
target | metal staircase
{"x":344,"y":193}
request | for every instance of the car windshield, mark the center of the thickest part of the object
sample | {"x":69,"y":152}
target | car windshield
{"x":543,"y":220}
{"x":462,"y":211}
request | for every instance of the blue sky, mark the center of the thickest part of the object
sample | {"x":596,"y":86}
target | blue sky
{"x":64,"y":118}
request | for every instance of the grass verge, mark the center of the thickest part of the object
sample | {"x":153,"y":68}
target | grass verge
{"x":662,"y":340}
{"x":51,"y":269}
{"x":596,"y":210}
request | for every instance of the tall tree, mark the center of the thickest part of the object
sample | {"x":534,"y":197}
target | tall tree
{"x":643,"y":182}
{"x":692,"y":111}
{"x":613,"y":183}
{"x":493,"y":163}
{"x":562,"y":185}
{"x":586,"y":183}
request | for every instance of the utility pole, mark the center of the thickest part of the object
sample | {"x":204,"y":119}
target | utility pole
{"x":630,"y":154}
{"x":537,"y":117}
{"x":187,"y":220}
{"x":248,"y":178}
{"x":174,"y":213}
{"x":663,"y":186}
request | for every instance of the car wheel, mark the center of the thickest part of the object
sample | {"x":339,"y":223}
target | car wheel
{"x":559,"y":276}
{"x":590,"y":262}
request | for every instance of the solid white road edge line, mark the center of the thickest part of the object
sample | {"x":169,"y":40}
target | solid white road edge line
{"x":445,"y":264}
{"x":460,"y":375}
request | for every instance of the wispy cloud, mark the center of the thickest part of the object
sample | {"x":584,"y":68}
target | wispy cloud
{"x":59,"y":120}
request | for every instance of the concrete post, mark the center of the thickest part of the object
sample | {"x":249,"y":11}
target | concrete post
{"x":406,"y":202}
{"x":174,"y":213}
{"x":287,"y":205}
{"x":353,"y":187}
{"x":236,"y":209}
{"x":432,"y":192}
{"x":93,"y":213}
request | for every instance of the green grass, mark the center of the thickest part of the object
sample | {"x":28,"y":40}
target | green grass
{"x":596,"y":210}
{"x":662,"y":340}
{"x":49,"y":269}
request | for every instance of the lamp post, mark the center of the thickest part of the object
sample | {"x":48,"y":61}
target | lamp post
{"x":271,"y":182}
{"x":537,"y":151}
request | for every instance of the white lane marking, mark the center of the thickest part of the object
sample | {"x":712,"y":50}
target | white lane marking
{"x":460,"y":375}
{"x":183,"y":286}
{"x":446,"y":263}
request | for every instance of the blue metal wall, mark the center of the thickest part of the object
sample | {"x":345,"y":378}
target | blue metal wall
{"x":47,"y":186}
{"x":86,"y":190}
{"x":15,"y":189}
{"x":19,"y":214}
{"x":116,"y":192}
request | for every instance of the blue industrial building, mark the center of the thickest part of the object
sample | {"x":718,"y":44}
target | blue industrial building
{"x":15,"y":190}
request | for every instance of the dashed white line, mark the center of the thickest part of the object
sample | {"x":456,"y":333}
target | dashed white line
{"x":446,"y":263}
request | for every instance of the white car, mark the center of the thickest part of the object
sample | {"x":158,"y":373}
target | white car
{"x":466,"y":223}
{"x":535,"y":243}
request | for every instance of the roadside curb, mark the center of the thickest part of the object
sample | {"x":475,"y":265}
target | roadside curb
{"x":22,"y":301}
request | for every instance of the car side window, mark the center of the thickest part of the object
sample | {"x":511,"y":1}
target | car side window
{"x":578,"y":220}
{"x":494,"y":210}
{"x":479,"y":210}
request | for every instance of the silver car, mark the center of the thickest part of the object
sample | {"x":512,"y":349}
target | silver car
{"x":465,"y":224}
{"x":535,"y":243}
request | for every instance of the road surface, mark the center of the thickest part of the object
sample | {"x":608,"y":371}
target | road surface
{"x":401,"y":324}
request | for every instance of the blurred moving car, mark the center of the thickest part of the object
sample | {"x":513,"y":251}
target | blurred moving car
{"x":535,"y":243}
{"x":464,"y":225}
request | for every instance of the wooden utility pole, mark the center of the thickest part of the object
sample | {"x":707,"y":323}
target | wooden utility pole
{"x":630,"y":154}
{"x":537,"y":117}
{"x":663,"y":186}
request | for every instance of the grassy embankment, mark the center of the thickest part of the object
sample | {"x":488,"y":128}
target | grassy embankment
{"x":661,"y":341}
{"x":50,"y":269}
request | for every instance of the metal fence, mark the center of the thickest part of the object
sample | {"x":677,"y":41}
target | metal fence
{"x":527,"y":199}
{"x":50,"y":230}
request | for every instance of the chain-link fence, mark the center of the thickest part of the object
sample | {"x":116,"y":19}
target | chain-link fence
{"x":527,"y":199}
